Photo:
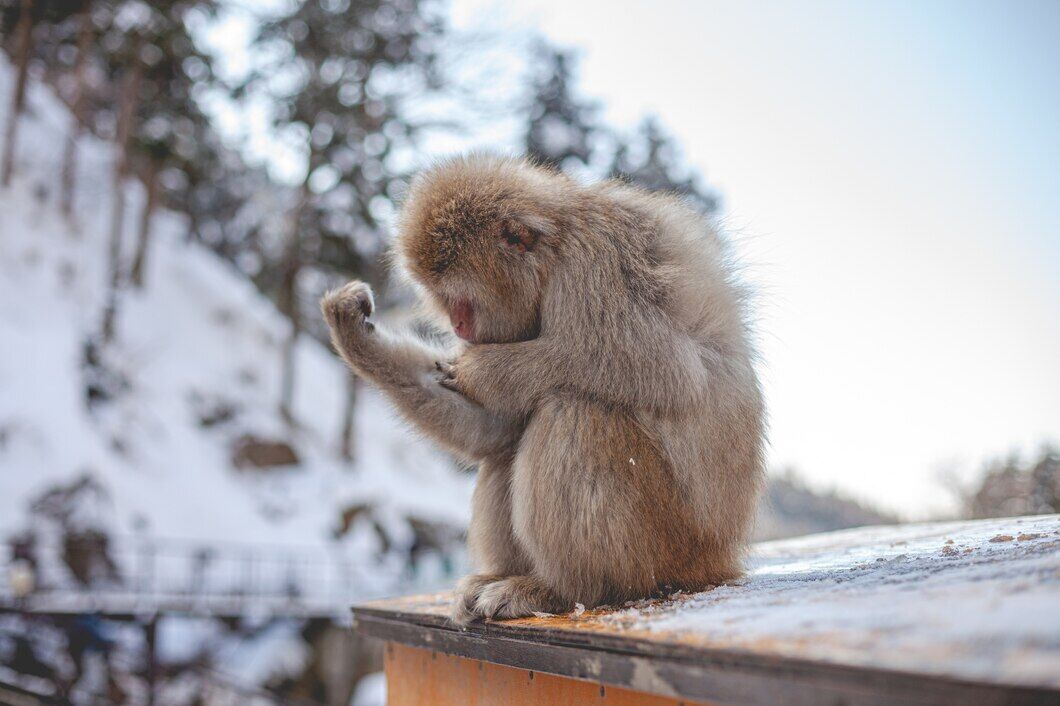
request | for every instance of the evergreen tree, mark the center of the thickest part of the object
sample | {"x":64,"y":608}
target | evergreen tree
{"x":345,"y":73}
{"x":23,"y":19}
{"x":64,"y":44}
{"x":1011,"y":487}
{"x":651,"y":159}
{"x":172,"y":135}
{"x":148,"y":52}
{"x":221,"y":200}
{"x":561,"y":126}
{"x":562,"y":131}
{"x":85,"y":34}
{"x":24,"y":38}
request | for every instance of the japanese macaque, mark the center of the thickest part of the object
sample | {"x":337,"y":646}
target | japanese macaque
{"x":605,"y":386}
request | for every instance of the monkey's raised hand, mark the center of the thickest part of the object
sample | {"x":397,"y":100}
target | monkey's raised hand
{"x":348,"y":303}
{"x":401,"y":367}
{"x":346,"y":310}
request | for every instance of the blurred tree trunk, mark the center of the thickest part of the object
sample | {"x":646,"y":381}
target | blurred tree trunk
{"x":84,"y":45}
{"x":24,"y":35}
{"x":130,"y":98}
{"x":290,"y":306}
{"x":136,"y":272}
{"x":192,"y":233}
{"x":347,"y":444}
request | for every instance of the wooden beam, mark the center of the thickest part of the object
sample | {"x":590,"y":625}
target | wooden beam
{"x":939,"y":613}
{"x":420,"y":677}
{"x":691,"y":675}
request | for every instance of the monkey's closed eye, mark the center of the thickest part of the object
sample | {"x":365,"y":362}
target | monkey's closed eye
{"x":518,"y":237}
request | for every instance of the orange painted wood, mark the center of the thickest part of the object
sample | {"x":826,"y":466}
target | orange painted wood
{"x":419,"y":677}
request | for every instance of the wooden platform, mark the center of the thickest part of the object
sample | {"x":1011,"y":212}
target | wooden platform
{"x":959,"y":613}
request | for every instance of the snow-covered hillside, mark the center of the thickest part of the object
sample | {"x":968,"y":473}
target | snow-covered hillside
{"x":197,"y":339}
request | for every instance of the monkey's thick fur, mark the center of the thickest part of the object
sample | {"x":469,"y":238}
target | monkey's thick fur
{"x":608,"y":394}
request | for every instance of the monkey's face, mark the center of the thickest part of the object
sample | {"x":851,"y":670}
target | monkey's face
{"x":480,"y":265}
{"x":479,"y":233}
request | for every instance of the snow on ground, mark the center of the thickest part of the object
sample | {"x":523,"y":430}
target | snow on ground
{"x":975,"y":599}
{"x":371,"y":691}
{"x":198,"y":334}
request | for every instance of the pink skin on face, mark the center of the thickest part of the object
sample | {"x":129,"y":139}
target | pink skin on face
{"x":462,"y":316}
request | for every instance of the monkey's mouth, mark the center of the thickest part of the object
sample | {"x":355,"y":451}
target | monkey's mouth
{"x":462,"y":317}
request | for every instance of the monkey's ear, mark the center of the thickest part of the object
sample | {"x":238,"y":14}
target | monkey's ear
{"x":517,"y":236}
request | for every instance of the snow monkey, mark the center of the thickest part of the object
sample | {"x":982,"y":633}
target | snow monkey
{"x":605,"y":386}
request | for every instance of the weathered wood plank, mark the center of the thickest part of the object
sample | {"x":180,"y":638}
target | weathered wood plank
{"x":682,"y":672}
{"x":932,"y":614}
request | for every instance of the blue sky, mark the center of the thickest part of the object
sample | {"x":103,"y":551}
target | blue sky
{"x":890,"y":174}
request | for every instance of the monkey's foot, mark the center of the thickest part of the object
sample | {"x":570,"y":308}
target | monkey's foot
{"x":499,"y":598}
{"x":467,"y":593}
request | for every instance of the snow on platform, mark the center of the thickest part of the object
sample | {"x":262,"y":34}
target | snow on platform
{"x":975,"y":601}
{"x":978,"y":599}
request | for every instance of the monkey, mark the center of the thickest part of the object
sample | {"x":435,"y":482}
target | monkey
{"x":605,"y":383}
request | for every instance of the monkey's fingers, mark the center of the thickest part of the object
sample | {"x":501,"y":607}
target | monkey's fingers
{"x":450,"y":383}
{"x":444,"y":368}
{"x":365,"y":303}
{"x":351,"y":301}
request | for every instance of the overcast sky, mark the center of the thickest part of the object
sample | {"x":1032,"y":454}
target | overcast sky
{"x":890,"y":172}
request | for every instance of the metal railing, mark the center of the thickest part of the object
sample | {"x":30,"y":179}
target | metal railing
{"x":134,"y":574}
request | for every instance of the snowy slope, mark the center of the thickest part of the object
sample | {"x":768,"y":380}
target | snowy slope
{"x":198,"y":335}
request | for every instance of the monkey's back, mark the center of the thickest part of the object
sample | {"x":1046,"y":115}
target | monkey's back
{"x":716,"y":447}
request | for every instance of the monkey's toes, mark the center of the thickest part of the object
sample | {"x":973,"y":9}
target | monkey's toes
{"x":467,"y":593}
{"x":515,"y":597}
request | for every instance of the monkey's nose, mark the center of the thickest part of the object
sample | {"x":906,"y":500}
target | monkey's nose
{"x":462,"y":317}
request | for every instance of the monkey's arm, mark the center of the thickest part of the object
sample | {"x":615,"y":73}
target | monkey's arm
{"x":405,"y":370}
{"x":639,"y":363}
